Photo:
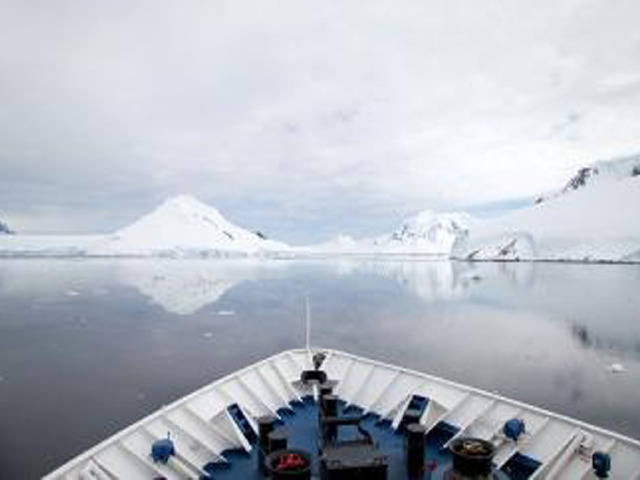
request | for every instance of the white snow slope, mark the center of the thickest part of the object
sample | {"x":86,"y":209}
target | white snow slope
{"x":605,"y":171}
{"x":184,"y":226}
{"x":181,"y":227}
{"x":593,"y":219}
{"x":19,"y":245}
{"x":428,"y":233}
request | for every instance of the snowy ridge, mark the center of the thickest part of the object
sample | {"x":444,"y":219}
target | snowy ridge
{"x":184,"y":226}
{"x":427,"y":233}
{"x":593,"y":219}
{"x":599,"y":172}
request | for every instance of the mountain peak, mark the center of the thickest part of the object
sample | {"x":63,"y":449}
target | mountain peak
{"x":426,"y":233}
{"x":430,"y":226}
{"x":187,"y":203}
{"x":185,"y":224}
{"x":602,"y":171}
{"x":184,"y":200}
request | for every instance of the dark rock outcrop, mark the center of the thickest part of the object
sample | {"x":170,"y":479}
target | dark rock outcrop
{"x":580,"y":179}
{"x":4,"y":229}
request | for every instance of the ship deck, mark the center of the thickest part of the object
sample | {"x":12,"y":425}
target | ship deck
{"x":214,"y":428}
{"x":301,"y":425}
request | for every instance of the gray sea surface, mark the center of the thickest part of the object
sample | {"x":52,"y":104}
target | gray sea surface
{"x":89,"y":346}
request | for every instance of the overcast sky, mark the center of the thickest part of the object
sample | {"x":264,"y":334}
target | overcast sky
{"x":305,"y":118}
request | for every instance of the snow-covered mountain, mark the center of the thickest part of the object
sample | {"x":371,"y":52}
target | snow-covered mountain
{"x":181,"y":227}
{"x":4,"y":229}
{"x":184,"y":226}
{"x":594,"y":218}
{"x":603,"y":171}
{"x":427,"y":233}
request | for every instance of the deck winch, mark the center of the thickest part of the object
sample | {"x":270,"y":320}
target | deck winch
{"x":356,"y":458}
{"x":473,"y":460}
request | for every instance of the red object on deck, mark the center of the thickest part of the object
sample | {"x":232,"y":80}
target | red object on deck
{"x":291,"y":461}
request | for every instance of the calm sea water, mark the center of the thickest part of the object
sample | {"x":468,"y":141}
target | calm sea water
{"x":89,"y":346}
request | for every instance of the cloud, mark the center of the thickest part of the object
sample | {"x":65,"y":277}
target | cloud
{"x":305,"y":118}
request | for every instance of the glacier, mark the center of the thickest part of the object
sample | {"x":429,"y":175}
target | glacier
{"x":428,"y":233}
{"x":592,"y":219}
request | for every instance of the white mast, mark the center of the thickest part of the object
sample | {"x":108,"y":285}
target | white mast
{"x":308,"y":312}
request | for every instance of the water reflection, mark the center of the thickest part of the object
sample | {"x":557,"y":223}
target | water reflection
{"x":598,"y":304}
{"x":432,"y":281}
{"x":185,"y":287}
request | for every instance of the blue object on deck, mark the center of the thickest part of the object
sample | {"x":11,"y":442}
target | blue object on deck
{"x":513,"y":429}
{"x":415,"y":408}
{"x":601,"y":463}
{"x":241,"y":421}
{"x":520,"y":467}
{"x":162,"y":450}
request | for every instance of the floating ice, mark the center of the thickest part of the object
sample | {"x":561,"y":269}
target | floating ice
{"x":617,"y":368}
